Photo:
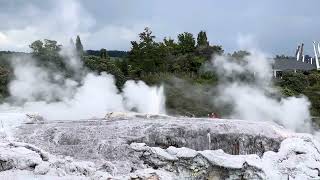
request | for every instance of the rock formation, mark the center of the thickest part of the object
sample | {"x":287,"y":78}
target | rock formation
{"x":159,"y":147}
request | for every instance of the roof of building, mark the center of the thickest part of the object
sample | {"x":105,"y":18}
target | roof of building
{"x":292,"y":64}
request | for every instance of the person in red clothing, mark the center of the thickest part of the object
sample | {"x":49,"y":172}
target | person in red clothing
{"x":213,"y":115}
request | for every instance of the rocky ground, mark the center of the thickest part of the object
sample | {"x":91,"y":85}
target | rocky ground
{"x":136,"y":146}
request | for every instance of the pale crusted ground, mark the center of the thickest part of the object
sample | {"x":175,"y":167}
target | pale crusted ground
{"x":157,"y":147}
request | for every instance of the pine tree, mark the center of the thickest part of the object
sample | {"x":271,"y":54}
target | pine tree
{"x":103,"y":54}
{"x":79,"y":46}
{"x":202,"y":39}
{"x":186,"y":42}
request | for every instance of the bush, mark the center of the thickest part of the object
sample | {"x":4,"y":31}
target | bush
{"x":4,"y":80}
{"x":297,"y":82}
{"x":104,"y":65}
{"x":287,"y":92}
{"x":314,"y":78}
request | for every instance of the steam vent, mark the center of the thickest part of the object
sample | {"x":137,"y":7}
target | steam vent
{"x":138,"y":146}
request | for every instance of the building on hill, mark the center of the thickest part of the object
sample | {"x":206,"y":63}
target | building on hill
{"x":299,"y":62}
{"x":281,"y":65}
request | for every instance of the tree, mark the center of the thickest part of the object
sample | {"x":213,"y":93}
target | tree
{"x":47,"y":54}
{"x":4,"y":81}
{"x":314,"y":78}
{"x":51,"y":46}
{"x":169,"y":42}
{"x":282,"y":56}
{"x":101,"y":65}
{"x":37,"y":46}
{"x":287,"y":92}
{"x":297,"y":82}
{"x":202,"y":39}
{"x":146,"y":55}
{"x":146,"y":36}
{"x":104,"y":54}
{"x":170,"y":47}
{"x":240,"y":54}
{"x":208,"y":51}
{"x":43,"y":50}
{"x":186,"y":42}
{"x":123,"y":66}
{"x":79,"y":46}
{"x":217,"y":49}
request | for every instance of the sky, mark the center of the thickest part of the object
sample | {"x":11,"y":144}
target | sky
{"x":272,"y":26}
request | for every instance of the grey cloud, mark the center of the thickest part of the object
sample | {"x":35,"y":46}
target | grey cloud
{"x":277,"y":26}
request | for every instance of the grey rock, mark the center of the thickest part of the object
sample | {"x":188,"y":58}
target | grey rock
{"x":160,"y":147}
{"x":42,"y":168}
{"x":109,"y":139}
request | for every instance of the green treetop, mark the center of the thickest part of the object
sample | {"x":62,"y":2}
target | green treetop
{"x":79,"y":46}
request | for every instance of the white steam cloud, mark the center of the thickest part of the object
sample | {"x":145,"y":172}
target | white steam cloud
{"x":37,"y":90}
{"x":58,"y":19}
{"x":32,"y":82}
{"x":144,"y":98}
{"x":257,"y":99}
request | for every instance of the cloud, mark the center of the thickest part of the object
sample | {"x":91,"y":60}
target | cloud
{"x":19,"y":39}
{"x":63,"y":21}
{"x":110,"y":24}
{"x":3,"y":38}
{"x":114,"y":37}
{"x":247,"y":41}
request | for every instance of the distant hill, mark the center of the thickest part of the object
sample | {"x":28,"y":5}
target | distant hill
{"x":112,"y":53}
{"x":12,"y":52}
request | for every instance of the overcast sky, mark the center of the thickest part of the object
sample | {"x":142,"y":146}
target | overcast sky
{"x":273,"y":26}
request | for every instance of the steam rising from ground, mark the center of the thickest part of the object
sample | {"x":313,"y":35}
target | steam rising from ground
{"x":144,"y":98}
{"x":247,"y":86}
{"x":40,"y":90}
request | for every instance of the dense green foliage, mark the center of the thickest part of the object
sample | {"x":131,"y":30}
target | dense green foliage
{"x":297,"y":82}
{"x":47,"y":54}
{"x":4,"y":80}
{"x":147,"y":56}
{"x":6,"y":71}
{"x":177,"y":65}
{"x":308,"y":84}
{"x":103,"y":64}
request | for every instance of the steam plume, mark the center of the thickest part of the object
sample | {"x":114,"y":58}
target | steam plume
{"x":247,"y":86}
{"x":86,"y":95}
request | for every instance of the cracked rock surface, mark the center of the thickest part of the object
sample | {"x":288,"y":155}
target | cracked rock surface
{"x":159,"y":147}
